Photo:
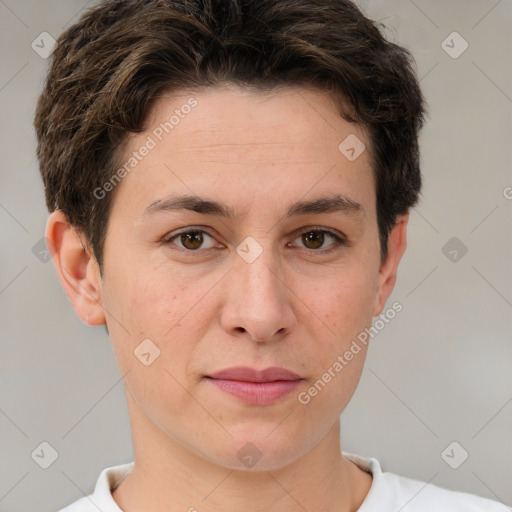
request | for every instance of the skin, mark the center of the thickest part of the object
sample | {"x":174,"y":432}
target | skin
{"x":291,"y":307}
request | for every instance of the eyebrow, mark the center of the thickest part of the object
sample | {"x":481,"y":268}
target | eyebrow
{"x":325,"y":204}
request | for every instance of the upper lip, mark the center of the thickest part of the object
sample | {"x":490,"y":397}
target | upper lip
{"x":248,"y":374}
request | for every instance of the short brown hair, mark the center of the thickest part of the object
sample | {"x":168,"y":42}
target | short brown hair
{"x":110,"y":66}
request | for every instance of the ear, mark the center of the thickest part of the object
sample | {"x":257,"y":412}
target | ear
{"x":397,"y":242}
{"x":77,"y":268}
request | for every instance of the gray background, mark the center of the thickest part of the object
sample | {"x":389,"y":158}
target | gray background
{"x":438,"y":373}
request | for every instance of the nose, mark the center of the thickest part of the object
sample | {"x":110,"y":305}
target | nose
{"x":259,"y":302}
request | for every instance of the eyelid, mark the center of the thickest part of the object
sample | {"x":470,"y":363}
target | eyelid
{"x":307,"y":229}
{"x":166,"y":240}
{"x":339,"y":238}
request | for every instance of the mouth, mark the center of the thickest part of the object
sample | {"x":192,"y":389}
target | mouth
{"x":258,"y":387}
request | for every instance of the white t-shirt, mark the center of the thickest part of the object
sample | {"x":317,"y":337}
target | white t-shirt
{"x":388,"y":493}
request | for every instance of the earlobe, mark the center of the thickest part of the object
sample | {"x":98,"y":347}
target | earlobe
{"x":397,"y":242}
{"x":76,"y":267}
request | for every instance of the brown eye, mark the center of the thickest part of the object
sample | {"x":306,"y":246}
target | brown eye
{"x":314,"y":240}
{"x":191,"y":240}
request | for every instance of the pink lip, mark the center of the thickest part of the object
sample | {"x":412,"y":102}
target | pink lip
{"x":259,"y":387}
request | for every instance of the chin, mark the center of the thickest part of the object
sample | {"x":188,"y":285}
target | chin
{"x":255,"y":452}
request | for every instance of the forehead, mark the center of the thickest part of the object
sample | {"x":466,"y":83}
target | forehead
{"x":240,"y":117}
{"x":215,"y":141}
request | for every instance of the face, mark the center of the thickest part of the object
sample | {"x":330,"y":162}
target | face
{"x":268,"y":285}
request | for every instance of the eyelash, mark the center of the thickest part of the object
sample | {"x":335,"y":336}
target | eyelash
{"x":339,"y":241}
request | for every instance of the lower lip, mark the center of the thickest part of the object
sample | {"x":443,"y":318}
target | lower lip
{"x":259,"y":393}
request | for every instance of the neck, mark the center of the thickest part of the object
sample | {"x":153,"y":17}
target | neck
{"x":169,"y":477}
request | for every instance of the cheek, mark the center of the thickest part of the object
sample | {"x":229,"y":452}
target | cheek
{"x":173,"y":312}
{"x":139,"y":307}
{"x":155,"y":338}
{"x":157,"y":303}
{"x":346,"y":307}
{"x":347,"y":303}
